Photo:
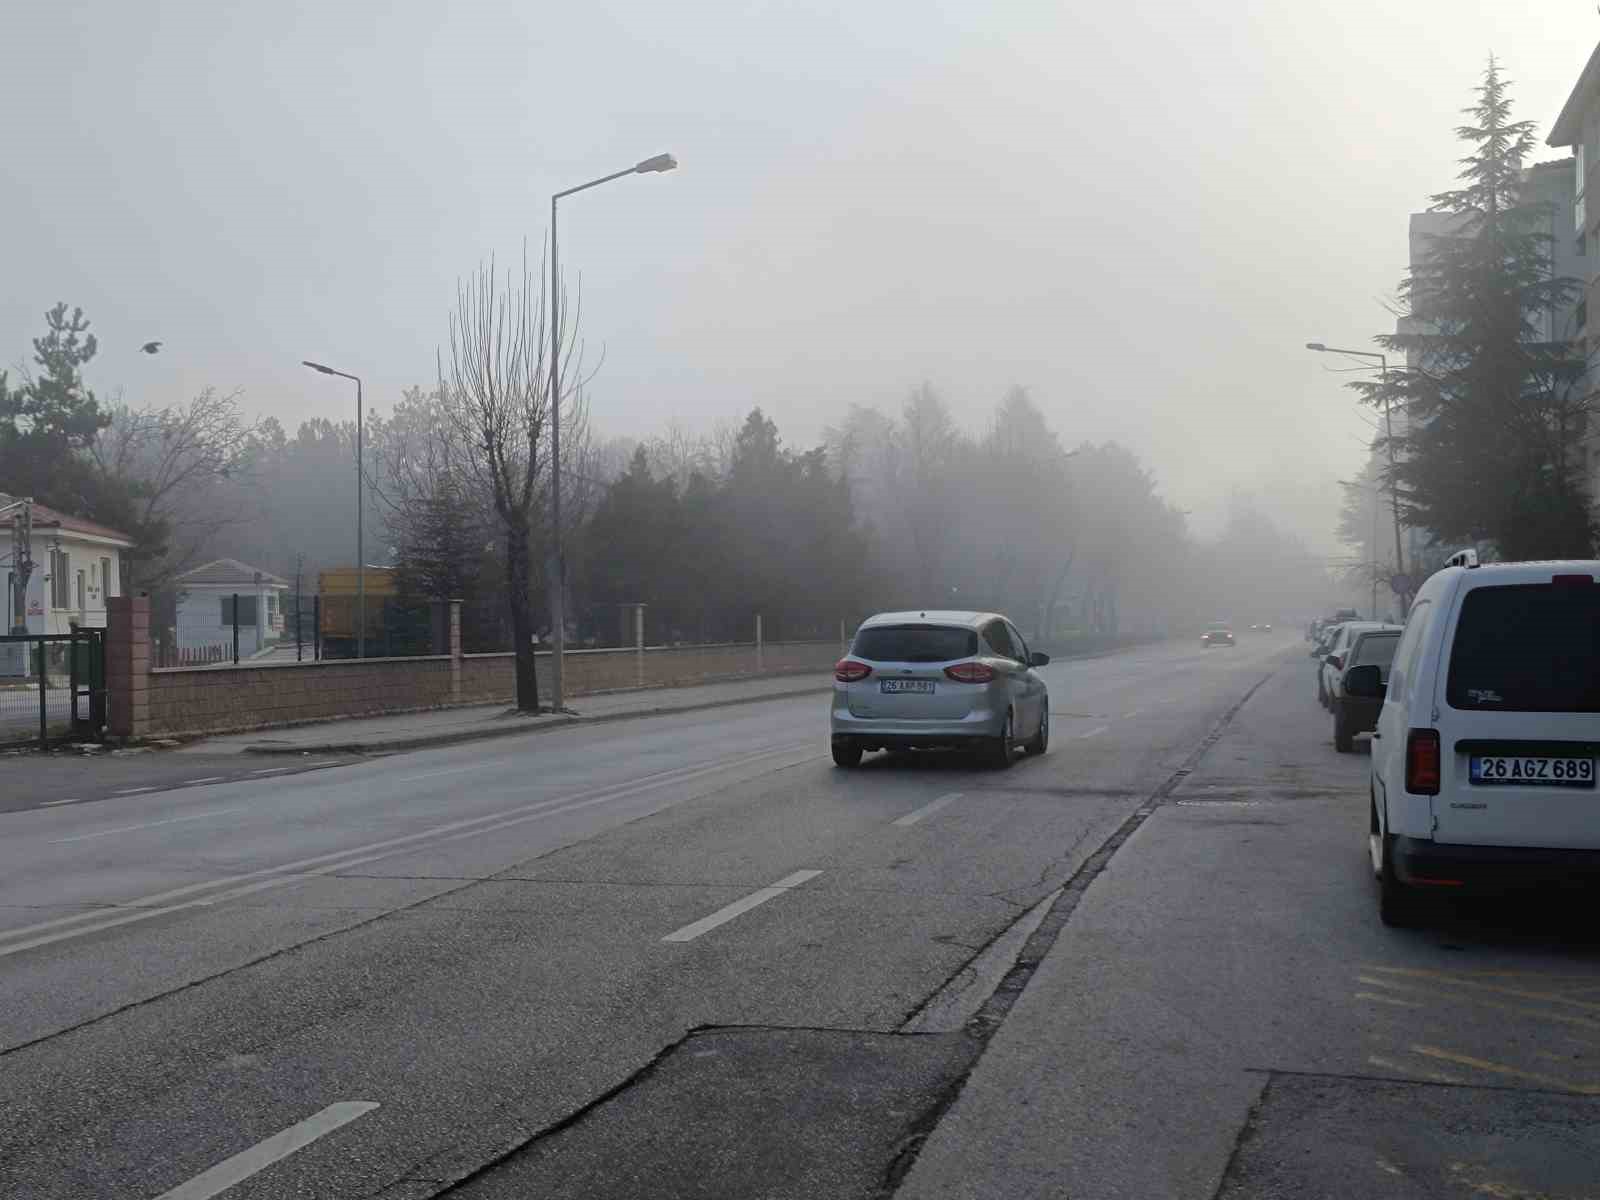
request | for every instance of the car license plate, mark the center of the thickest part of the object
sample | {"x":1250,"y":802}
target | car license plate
{"x":906,"y":685}
{"x":1531,"y":771}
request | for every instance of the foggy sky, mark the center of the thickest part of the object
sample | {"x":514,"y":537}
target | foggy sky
{"x":1139,"y":210}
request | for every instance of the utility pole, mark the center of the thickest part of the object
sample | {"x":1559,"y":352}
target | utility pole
{"x":22,"y":564}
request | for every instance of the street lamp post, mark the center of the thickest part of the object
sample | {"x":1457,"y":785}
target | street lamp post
{"x":361,"y":548}
{"x":557,"y":566}
{"x":1388,"y":424}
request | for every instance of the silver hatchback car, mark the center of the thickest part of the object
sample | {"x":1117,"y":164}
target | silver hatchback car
{"x":926,"y":679}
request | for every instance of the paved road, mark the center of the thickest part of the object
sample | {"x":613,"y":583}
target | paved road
{"x":681,"y":956}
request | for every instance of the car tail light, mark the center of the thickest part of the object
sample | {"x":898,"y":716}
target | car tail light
{"x":1422,"y":762}
{"x":971,"y":672}
{"x":848,"y":670}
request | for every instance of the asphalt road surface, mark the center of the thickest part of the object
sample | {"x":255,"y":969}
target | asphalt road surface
{"x":686,"y":956}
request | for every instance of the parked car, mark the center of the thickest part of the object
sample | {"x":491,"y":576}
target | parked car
{"x":1484,"y":759}
{"x":1217,"y":635}
{"x":939,"y":679}
{"x":1319,"y":653}
{"x":1359,"y":714}
{"x":1337,"y":658}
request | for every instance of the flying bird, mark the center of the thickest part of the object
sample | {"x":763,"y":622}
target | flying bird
{"x":150,"y":347}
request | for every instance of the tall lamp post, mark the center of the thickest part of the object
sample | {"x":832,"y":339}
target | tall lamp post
{"x":1388,"y":424}
{"x":557,"y":569}
{"x":361,"y":481}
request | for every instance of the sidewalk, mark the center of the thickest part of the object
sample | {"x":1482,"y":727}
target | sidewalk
{"x":447,"y":726}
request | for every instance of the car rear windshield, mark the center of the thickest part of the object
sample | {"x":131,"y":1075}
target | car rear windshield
{"x":915,"y":643}
{"x":1527,"y":648}
{"x":1375,"y":650}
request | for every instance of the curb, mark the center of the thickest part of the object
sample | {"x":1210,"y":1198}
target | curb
{"x":426,"y":741}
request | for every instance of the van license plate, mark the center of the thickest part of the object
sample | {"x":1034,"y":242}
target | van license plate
{"x":1531,"y":771}
{"x":906,"y":685}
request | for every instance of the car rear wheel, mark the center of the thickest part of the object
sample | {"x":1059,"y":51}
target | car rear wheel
{"x":999,"y":751}
{"x":846,"y":753}
{"x":1040,"y":742}
{"x":1399,"y":906}
{"x":1344,"y":738}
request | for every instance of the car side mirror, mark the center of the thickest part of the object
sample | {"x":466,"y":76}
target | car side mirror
{"x":1364,"y":683}
{"x":1038,"y":660}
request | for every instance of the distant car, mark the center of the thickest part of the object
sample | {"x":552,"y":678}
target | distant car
{"x":1217,"y":635}
{"x":939,"y":679}
{"x":1266,"y":629}
{"x":1359,"y":714}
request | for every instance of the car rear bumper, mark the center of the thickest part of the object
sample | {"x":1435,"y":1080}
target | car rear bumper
{"x":902,"y":734}
{"x":1460,"y":868}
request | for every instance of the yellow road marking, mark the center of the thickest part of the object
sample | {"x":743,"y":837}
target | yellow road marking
{"x":1466,"y":1060}
{"x":1395,"y":1000}
{"x":1485,"y":1002}
{"x":1523,"y":993}
{"x":1388,"y":1065}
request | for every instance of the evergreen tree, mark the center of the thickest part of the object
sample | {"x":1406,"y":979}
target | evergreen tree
{"x":1495,"y":401}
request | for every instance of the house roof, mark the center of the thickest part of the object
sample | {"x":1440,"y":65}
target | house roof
{"x":45,"y":517}
{"x":230,"y":572}
{"x":1568,"y":128}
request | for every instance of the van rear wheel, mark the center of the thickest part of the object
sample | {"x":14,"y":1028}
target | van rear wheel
{"x":1399,"y":906}
{"x":846,"y":753}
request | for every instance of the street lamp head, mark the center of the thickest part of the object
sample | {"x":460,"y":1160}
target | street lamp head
{"x":1315,"y":346}
{"x":661,"y":162}
{"x":306,"y":362}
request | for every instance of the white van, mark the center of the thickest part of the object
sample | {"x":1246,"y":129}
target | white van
{"x":1485,"y":755}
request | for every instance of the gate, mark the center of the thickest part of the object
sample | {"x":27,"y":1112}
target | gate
{"x":52,"y":686}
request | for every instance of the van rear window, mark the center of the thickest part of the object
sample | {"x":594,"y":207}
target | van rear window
{"x":915,"y":643}
{"x":1527,"y":648}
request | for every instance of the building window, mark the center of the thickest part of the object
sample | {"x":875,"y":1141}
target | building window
{"x":11,"y":594}
{"x":60,"y":575}
{"x":82,"y":596}
{"x":105,"y":578}
{"x":247,"y":610}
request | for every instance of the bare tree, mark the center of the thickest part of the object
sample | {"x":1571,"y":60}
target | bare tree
{"x":174,"y":458}
{"x":495,"y":395}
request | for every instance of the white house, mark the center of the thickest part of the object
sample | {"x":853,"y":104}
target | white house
{"x":77,"y":564}
{"x":205,"y":607}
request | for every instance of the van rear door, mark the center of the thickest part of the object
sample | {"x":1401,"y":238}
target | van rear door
{"x":1519,"y":701}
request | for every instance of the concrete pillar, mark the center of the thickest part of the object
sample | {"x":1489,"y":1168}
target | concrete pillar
{"x":455,"y":651}
{"x":128,"y":665}
{"x":638,"y":644}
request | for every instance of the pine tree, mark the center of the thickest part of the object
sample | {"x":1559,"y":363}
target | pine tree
{"x":1495,"y":399}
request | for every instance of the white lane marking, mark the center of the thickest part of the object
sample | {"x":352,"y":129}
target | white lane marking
{"x":723,"y":915}
{"x":131,"y":791}
{"x":207,"y":779}
{"x":84,"y":837}
{"x":927,"y":810}
{"x":263,"y":1154}
{"x":270,"y":770}
{"x":327,"y":762}
{"x":158,"y":904}
{"x":1128,"y":716}
{"x":446,"y":771}
{"x":1095,"y":732}
{"x":53,"y":803}
{"x":1394,"y":1000}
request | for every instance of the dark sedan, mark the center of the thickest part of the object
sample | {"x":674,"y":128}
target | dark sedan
{"x":1217,"y":637}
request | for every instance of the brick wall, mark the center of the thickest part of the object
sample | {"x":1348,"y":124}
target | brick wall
{"x":212,"y":699}
{"x":209,"y":699}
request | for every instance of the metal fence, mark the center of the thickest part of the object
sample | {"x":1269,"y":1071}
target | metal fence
{"x":52,"y":686}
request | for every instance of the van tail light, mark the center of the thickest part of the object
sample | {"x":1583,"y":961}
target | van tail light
{"x":848,"y":670}
{"x":1422,"y":762}
{"x":971,"y":672}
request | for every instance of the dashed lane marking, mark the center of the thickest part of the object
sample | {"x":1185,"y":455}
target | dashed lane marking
{"x":262,"y":1155}
{"x":1494,"y":1068}
{"x":739,"y":907}
{"x":54,"y":803}
{"x":84,"y":837}
{"x":132,"y":791}
{"x":1095,"y":732}
{"x":927,"y":810}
